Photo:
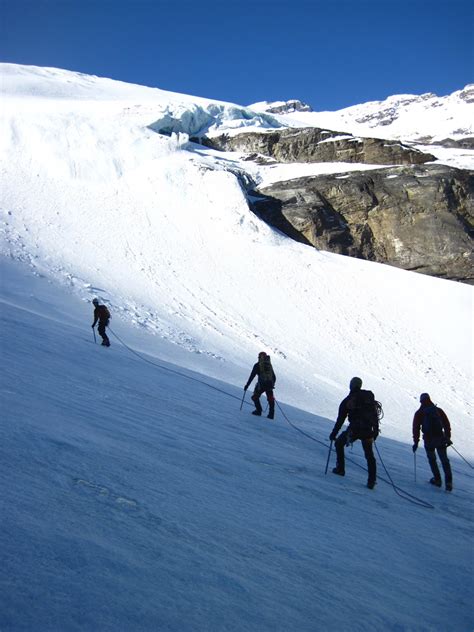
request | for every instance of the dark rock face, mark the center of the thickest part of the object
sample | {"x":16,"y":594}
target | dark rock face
{"x":416,"y":218}
{"x":463,"y":143}
{"x":312,"y":144}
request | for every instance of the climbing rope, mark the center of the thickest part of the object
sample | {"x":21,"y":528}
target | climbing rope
{"x":465,"y":461}
{"x":398,"y":490}
{"x":402,"y":493}
{"x":165,"y":368}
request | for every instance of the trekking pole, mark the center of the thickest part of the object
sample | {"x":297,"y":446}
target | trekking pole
{"x":93,"y":331}
{"x":242,"y":402}
{"x":329,"y":456}
{"x":414,"y":463}
{"x":472,"y":468}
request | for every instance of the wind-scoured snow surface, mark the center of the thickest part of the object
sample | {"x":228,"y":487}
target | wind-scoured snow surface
{"x":135,"y":493}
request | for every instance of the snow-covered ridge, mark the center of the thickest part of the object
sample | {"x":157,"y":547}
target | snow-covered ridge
{"x":425,"y":117}
{"x":57,"y":84}
{"x":406,"y":117}
{"x":415,"y":116}
{"x":167,"y":112}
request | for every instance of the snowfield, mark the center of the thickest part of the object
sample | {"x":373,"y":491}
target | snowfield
{"x":136,"y":495}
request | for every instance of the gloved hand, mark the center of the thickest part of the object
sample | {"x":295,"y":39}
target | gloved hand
{"x":448,"y":443}
{"x":415,"y":446}
{"x":333,"y":435}
{"x":246,"y":387}
{"x":92,"y":326}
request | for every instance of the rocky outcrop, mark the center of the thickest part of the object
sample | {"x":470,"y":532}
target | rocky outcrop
{"x":462,"y":143}
{"x":467,"y":95}
{"x":419,"y":218}
{"x":293,"y":105}
{"x":313,"y":144}
{"x":411,"y":215}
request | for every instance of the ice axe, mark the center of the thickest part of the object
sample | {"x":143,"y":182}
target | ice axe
{"x":329,"y":456}
{"x":242,"y":402}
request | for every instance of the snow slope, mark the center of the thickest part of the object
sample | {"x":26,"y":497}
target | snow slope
{"x":134,"y":498}
{"x":137,"y":497}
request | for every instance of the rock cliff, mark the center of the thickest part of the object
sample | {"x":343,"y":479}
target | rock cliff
{"x":410,"y":214}
{"x":313,"y":144}
{"x":418,"y":218}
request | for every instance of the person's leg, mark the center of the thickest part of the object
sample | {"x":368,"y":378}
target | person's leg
{"x":431,"y":455}
{"x":448,"y":475}
{"x":271,"y":403}
{"x":101,"y":330}
{"x":340,"y":444}
{"x":256,"y":400}
{"x":368,"y":445}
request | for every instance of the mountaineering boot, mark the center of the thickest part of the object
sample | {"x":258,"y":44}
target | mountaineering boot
{"x":271,"y":412}
{"x":371,"y":484}
{"x":435,"y":481}
{"x":338,"y":470}
{"x":449,"y":487}
{"x":271,"y":415}
{"x":258,"y":405}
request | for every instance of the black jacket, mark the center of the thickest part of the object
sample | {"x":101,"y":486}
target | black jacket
{"x":261,"y":382}
{"x":101,"y":314}
{"x":359,"y":424}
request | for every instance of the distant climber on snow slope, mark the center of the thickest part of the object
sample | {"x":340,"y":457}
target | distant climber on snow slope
{"x":265,"y":384}
{"x":102,"y":315}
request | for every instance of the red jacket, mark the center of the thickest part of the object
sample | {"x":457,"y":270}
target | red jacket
{"x":418,"y":421}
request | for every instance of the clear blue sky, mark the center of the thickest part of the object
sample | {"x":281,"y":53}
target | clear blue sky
{"x":331,"y":54}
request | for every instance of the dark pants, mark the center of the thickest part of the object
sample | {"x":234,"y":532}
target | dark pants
{"x":101,"y":329}
{"x":443,"y":457}
{"x":268,"y":390}
{"x":367,"y":445}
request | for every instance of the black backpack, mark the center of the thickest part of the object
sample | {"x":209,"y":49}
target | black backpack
{"x":266,"y":372}
{"x":104,"y":313}
{"x":432,"y":425}
{"x":365,"y":414}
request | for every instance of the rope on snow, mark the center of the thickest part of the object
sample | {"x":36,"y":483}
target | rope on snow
{"x":400,"y":492}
